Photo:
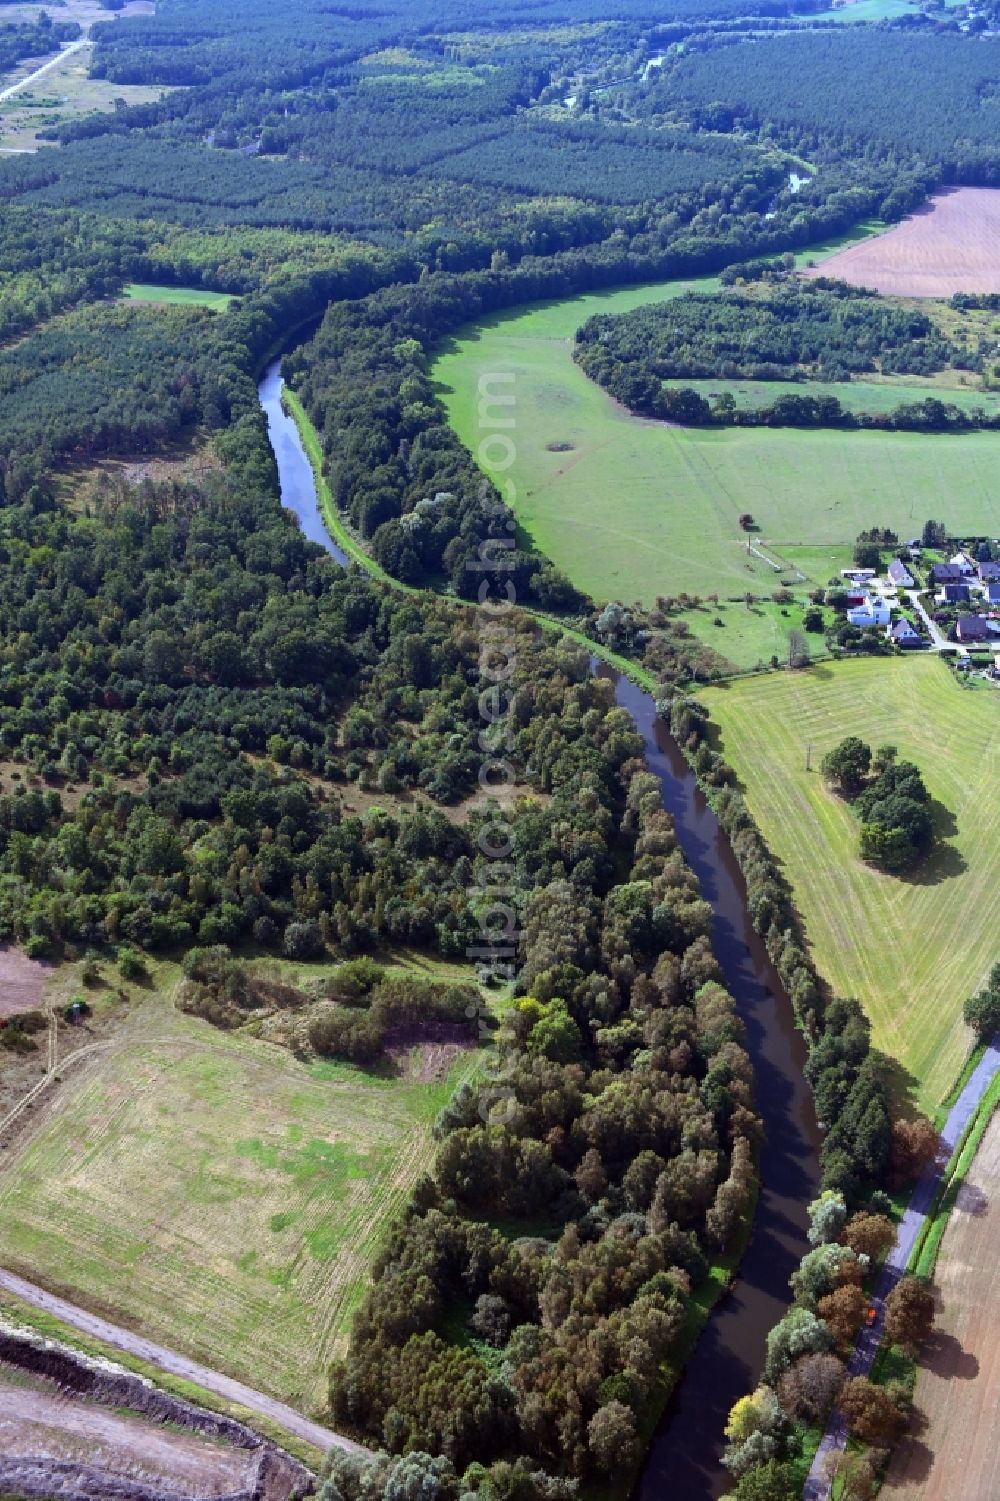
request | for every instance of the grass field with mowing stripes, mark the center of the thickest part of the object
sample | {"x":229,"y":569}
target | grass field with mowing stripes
{"x":910,"y":948}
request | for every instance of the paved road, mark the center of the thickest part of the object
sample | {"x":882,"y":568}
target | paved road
{"x":178,"y":1365}
{"x":817,"y":1486}
{"x":22,"y":83}
{"x":939,"y":642}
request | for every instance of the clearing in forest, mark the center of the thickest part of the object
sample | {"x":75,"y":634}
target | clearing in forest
{"x":956,"y":1453}
{"x":949,"y":245}
{"x":214,"y":1193}
{"x":913,"y":947}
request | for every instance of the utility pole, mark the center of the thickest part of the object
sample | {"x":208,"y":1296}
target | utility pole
{"x":809,"y":752}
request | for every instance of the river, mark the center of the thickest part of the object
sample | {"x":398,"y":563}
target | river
{"x":683,"y":1463}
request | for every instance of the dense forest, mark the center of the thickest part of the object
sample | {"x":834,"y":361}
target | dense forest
{"x":853,"y":91}
{"x":800,"y":329}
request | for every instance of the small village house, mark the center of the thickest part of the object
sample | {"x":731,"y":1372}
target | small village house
{"x":904,"y":633}
{"x":900,"y":575}
{"x":874,"y":612}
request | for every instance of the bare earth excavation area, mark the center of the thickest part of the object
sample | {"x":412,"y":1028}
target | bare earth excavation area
{"x":39,"y":1424}
{"x":956,"y":1457}
{"x":950,"y":245}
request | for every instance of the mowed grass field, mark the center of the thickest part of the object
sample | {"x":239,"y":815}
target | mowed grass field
{"x":212,"y":1192}
{"x":911,"y":949}
{"x":631,"y":509}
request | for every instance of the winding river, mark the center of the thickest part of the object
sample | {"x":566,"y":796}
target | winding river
{"x":683,"y":1463}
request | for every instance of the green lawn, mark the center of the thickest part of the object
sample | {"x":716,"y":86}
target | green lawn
{"x":910,"y":949}
{"x":140,"y":291}
{"x":749,"y":637}
{"x":213,"y":1192}
{"x":632,"y":509}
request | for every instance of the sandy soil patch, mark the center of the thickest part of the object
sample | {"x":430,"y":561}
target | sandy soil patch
{"x":951,"y":244}
{"x":955,"y":1452}
{"x":38,"y":1422}
{"x":22,"y":981}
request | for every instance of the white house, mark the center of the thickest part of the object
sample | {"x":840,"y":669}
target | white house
{"x":874,"y":611}
{"x":964,"y":562}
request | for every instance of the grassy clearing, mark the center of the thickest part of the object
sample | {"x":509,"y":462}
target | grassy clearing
{"x":750,"y":636}
{"x":910,"y":949}
{"x":218,"y":1195}
{"x":64,"y":92}
{"x":875,"y":396}
{"x":632,"y":509}
{"x":139,"y":291}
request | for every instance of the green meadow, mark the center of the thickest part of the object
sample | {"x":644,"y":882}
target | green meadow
{"x":632,"y":509}
{"x":140,"y":291}
{"x":911,"y":948}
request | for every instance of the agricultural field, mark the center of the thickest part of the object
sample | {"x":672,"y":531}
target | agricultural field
{"x":22,"y":982}
{"x":632,"y":509}
{"x":218,"y":1195}
{"x":948,"y":245}
{"x":956,"y":1453}
{"x":910,"y":948}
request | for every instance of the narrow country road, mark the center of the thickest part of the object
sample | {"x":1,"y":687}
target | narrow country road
{"x":22,"y":83}
{"x":938,"y":641}
{"x":178,"y":1365}
{"x":817,"y":1487}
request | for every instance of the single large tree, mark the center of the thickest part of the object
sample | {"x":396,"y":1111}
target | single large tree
{"x":909,"y":1313}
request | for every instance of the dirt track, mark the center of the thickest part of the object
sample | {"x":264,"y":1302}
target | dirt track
{"x":177,"y":1365}
{"x":952,"y":244}
{"x":955,"y":1456}
{"x":36,"y":1422}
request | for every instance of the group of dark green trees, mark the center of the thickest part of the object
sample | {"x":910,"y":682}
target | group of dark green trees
{"x":890,"y":799}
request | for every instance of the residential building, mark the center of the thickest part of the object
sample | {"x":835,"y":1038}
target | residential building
{"x":947,"y":573}
{"x":900,"y":575}
{"x":989,"y":573}
{"x":904,"y":633}
{"x":970,"y":628}
{"x":954,"y":594}
{"x":874,"y":611}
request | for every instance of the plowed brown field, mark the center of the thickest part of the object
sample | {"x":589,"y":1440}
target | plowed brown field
{"x":955,"y":1455}
{"x":952,"y":244}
